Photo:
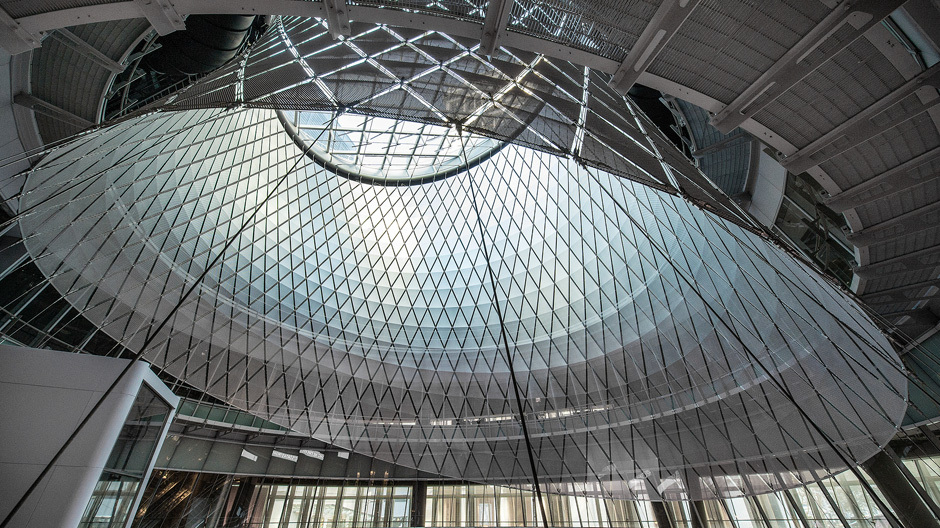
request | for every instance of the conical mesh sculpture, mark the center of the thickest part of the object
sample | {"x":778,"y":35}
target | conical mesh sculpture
{"x":518,"y":303}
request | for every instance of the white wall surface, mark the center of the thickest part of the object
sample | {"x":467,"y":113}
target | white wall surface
{"x":768,"y":190}
{"x":44,"y":395}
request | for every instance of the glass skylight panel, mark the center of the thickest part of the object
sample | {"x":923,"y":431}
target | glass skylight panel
{"x":388,"y":151}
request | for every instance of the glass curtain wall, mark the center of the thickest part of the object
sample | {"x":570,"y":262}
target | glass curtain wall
{"x":838,"y":502}
{"x":329,"y":506}
{"x":491,"y":506}
{"x":176,"y":499}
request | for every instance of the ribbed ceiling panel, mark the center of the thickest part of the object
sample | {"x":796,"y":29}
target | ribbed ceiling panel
{"x":54,"y":128}
{"x":114,"y":39}
{"x":728,"y":167}
{"x":725,"y":45}
{"x":844,"y":86}
{"x":70,"y":80}
{"x":888,"y":283}
{"x":904,"y":244}
{"x":608,"y":28}
{"x":883,"y":152}
{"x":890,"y":206}
{"x":77,"y":89}
{"x":22,"y":8}
{"x":697,"y":120}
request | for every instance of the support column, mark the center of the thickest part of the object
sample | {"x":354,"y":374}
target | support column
{"x":899,"y":492}
{"x":418,"y":503}
{"x":796,"y":507}
{"x":237,"y":513}
{"x":698,"y":515}
{"x":834,"y":505}
{"x":662,"y":515}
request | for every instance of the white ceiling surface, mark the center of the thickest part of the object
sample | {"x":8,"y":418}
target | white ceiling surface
{"x":720,"y":50}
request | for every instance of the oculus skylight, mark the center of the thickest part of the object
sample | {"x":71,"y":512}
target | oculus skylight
{"x":383,"y":150}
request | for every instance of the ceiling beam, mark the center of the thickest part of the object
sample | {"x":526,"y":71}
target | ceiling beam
{"x":162,"y":15}
{"x":793,"y":66}
{"x":721,"y":144}
{"x":863,"y":126}
{"x":916,"y":261}
{"x":665,"y":23}
{"x":42,"y":107}
{"x":14,"y":38}
{"x":88,"y":51}
{"x":494,"y":26}
{"x":913,"y":221}
{"x":337,"y":18}
{"x":925,"y":15}
{"x":896,"y":179}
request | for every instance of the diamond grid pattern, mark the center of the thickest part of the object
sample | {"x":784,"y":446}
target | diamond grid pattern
{"x":433,"y":78}
{"x":660,"y":351}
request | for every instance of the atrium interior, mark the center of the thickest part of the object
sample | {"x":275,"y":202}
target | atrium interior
{"x":470,"y":263}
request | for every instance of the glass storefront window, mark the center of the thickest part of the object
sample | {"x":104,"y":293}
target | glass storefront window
{"x":315,"y":506}
{"x":832,"y":503}
{"x":492,"y":506}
